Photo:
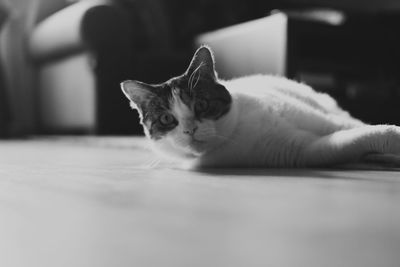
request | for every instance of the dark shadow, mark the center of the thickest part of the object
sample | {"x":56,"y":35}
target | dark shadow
{"x":345,"y":172}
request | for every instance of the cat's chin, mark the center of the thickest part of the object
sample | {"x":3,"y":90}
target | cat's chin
{"x":180,"y":156}
{"x":191,"y":150}
{"x":194,"y":150}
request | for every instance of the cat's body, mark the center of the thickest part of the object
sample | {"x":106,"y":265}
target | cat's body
{"x":254,"y":121}
{"x":275,"y":119}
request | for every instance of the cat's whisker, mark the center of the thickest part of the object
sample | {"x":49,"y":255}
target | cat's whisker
{"x":154,"y":163}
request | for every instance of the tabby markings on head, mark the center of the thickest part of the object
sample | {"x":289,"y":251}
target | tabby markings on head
{"x":185,"y":100}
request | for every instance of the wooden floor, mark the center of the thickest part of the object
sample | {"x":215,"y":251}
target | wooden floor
{"x":101,"y":202}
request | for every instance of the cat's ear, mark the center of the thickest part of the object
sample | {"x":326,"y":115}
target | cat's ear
{"x":203,"y":63}
{"x":137,"y":92}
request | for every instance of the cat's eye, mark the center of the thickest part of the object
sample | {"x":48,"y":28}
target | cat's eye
{"x":166,"y":119}
{"x":201,"y":105}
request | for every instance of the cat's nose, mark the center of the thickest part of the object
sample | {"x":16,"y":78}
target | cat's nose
{"x":190,"y":131}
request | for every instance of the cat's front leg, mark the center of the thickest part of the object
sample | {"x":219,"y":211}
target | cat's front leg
{"x":352,"y":145}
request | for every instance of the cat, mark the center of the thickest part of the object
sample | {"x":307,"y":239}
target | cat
{"x":254,"y":121}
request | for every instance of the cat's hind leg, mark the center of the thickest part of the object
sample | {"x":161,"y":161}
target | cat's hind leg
{"x":351,"y":145}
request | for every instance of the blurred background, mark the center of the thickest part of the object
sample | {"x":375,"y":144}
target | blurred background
{"x":61,"y":61}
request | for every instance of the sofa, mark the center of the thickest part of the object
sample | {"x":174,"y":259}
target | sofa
{"x":83,"y":52}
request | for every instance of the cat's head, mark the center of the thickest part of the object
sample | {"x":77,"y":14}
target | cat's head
{"x":184,"y":115}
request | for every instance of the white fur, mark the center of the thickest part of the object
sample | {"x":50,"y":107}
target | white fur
{"x":276,"y":122}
